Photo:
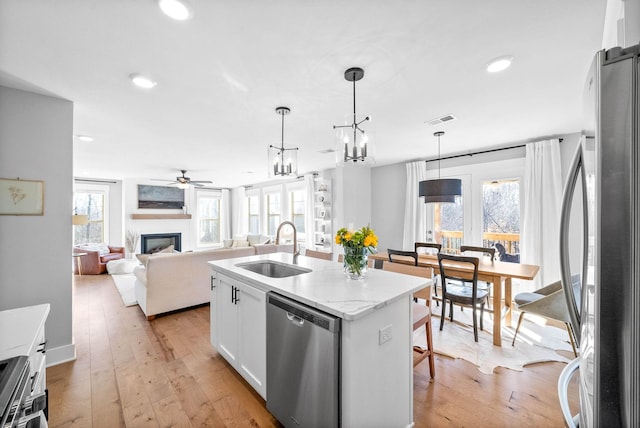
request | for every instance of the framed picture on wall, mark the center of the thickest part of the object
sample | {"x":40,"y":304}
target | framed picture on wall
{"x":21,"y":197}
{"x":160,"y":197}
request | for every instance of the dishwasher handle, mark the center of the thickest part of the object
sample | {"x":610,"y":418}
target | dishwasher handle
{"x":304,"y":313}
{"x":297,"y":321}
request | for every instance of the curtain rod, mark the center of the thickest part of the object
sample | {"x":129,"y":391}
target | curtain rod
{"x":481,"y":152}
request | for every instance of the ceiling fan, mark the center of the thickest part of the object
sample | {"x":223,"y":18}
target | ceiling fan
{"x":183,"y":181}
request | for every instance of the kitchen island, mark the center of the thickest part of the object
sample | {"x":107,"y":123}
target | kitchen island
{"x":376,"y":370}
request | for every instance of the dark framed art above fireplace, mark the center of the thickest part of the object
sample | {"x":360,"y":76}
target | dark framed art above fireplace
{"x":160,"y":197}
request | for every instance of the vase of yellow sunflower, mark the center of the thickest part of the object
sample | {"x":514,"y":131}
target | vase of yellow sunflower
{"x":357,"y":245}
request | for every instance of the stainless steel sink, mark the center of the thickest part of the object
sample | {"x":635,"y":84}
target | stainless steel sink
{"x":273,"y":269}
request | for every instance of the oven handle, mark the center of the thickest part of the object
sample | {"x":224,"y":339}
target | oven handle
{"x":32,"y":421}
{"x":35,"y":403}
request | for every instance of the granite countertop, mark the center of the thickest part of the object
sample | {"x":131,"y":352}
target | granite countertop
{"x":326,"y":287}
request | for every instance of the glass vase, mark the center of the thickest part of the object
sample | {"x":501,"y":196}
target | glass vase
{"x":355,"y":262}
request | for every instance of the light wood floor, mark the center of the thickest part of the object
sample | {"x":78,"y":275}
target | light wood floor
{"x":135,"y":373}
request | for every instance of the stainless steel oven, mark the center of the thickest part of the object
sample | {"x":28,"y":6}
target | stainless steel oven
{"x":19,"y":407}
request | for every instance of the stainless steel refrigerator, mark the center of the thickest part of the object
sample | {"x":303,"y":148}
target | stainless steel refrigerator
{"x":600,"y":242}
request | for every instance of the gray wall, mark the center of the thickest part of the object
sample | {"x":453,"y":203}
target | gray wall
{"x":36,"y":142}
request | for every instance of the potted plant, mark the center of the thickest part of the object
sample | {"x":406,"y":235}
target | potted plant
{"x":131,"y":242}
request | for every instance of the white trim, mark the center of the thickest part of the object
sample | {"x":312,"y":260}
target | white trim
{"x":61,"y":354}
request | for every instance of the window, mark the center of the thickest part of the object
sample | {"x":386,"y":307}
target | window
{"x":297,"y":204}
{"x":253,"y":208}
{"x":449,"y":224}
{"x":273,"y":212}
{"x":501,"y":214}
{"x":208,"y":219}
{"x":91,"y":204}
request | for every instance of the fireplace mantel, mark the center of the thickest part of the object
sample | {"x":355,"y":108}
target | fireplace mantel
{"x":161,"y":216}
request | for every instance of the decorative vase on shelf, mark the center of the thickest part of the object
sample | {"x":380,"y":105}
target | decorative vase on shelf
{"x":355,"y":262}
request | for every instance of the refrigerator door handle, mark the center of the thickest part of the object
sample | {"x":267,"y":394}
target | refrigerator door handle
{"x":576,"y":171}
{"x":563,"y":388}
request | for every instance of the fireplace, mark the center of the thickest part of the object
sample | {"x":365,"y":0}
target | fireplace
{"x":156,"y":242}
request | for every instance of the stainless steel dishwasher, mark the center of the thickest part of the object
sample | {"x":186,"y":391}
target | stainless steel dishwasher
{"x":303,"y":364}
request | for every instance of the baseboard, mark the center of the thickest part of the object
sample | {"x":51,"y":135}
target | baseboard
{"x":61,"y":354}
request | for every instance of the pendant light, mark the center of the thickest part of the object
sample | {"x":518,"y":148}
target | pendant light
{"x":442,"y":189}
{"x":283,"y":161}
{"x":353,"y":143}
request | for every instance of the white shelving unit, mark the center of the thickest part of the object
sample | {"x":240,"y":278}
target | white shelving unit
{"x":322,"y":234}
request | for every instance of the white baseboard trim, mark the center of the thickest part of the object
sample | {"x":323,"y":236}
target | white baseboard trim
{"x":61,"y":354}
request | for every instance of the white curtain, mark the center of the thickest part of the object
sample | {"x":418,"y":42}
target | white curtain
{"x":415,"y":214}
{"x":240,"y":216}
{"x":542,"y":206}
{"x":309,"y":214}
{"x":226,"y":214}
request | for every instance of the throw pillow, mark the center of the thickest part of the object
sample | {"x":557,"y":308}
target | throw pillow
{"x":227,"y":243}
{"x":240,"y":244}
{"x":265,"y":239}
{"x":253,"y":239}
{"x":143,"y":258}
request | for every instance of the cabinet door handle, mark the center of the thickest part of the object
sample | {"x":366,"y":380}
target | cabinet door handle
{"x":212,"y":282}
{"x":233,"y":294}
{"x":42,"y":347}
{"x":237,"y":295}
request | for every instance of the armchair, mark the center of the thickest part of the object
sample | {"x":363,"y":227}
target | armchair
{"x":548,"y":302}
{"x":94,"y":261}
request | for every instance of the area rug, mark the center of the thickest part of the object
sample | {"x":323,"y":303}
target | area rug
{"x":125,"y":285}
{"x":536,"y":342}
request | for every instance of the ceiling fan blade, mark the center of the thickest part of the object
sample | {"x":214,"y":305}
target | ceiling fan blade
{"x":201,"y":181}
{"x":196,"y":184}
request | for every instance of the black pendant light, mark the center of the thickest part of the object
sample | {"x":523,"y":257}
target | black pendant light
{"x":354,"y":145}
{"x":442,"y":189}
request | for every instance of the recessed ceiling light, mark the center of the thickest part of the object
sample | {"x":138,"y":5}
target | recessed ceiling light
{"x":142,"y":81}
{"x":499,"y":64}
{"x":180,"y":10}
{"x":84,"y":138}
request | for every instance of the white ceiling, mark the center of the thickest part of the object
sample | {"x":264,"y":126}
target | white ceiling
{"x":222,"y":74}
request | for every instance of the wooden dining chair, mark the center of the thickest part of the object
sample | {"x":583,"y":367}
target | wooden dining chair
{"x":421,"y":313}
{"x":430,"y":248}
{"x":428,"y":245}
{"x":455,"y":271}
{"x":393,"y":253}
{"x":469,"y":250}
{"x":319,"y":254}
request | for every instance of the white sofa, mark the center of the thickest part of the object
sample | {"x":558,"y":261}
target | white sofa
{"x":172,"y":281}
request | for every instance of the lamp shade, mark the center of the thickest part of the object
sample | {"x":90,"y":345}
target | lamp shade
{"x":79,"y":219}
{"x":440,"y":190}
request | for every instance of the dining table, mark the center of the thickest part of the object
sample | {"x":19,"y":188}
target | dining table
{"x":496,"y":272}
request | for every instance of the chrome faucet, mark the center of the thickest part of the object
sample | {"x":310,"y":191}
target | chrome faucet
{"x":296,"y":251}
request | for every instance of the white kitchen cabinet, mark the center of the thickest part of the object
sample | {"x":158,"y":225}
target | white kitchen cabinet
{"x":238,"y":328}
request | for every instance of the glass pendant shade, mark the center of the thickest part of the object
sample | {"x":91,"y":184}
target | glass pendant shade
{"x":282,"y":161}
{"x":354,"y":148}
{"x":440,"y":190}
